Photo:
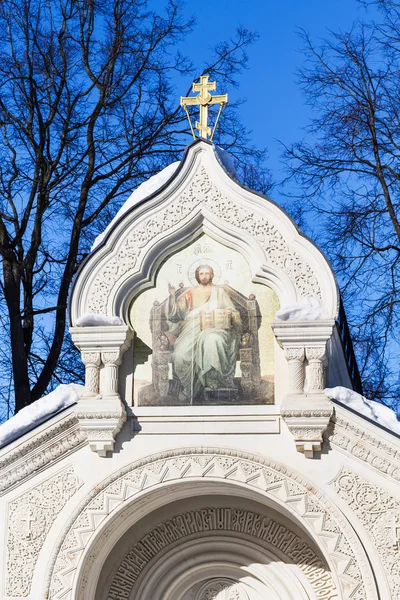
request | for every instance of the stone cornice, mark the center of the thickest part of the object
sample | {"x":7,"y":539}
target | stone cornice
{"x":47,"y":444}
{"x":365,"y":442}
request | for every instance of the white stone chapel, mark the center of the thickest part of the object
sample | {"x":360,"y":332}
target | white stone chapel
{"x":203,"y":460}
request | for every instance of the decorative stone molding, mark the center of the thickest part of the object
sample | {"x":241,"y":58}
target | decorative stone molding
{"x":100,"y":411}
{"x":314,"y":511}
{"x":379,"y":512}
{"x":222,"y":589}
{"x":306,"y":410}
{"x":202,"y":192}
{"x":212,"y":521}
{"x":29,"y":520}
{"x":362,"y":445}
{"x":199,"y":197}
{"x":56,"y":442}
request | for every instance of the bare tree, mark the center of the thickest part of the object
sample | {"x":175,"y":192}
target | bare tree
{"x":348,"y":171}
{"x":88,"y":110}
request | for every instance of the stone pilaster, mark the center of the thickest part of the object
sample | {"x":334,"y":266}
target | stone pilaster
{"x":305,"y":410}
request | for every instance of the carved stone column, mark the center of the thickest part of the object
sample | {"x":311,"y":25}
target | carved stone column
{"x":111,"y":362}
{"x":316,"y":379}
{"x":92,"y":362}
{"x":306,"y":413}
{"x":295,"y":360}
{"x":100,"y":413}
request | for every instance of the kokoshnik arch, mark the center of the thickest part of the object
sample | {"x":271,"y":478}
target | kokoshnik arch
{"x":203,"y":460}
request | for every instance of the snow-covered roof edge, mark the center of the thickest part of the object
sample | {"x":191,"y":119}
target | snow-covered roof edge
{"x":37,"y":413}
{"x":368,"y":410}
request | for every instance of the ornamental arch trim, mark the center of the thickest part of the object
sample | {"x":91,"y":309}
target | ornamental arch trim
{"x":289,"y":492}
{"x":201,"y":197}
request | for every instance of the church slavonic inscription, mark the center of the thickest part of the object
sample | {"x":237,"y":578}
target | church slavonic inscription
{"x":215,"y":520}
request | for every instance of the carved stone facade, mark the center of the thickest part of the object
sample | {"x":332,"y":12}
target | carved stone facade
{"x":186,"y":483}
{"x":213,"y":521}
{"x":306,"y":410}
{"x":379,"y":512}
{"x":100,"y":412}
{"x":204,"y":193}
{"x":222,"y":589}
{"x":383,"y":456}
{"x":53,"y":444}
{"x":29,"y":520}
{"x":273,"y":480}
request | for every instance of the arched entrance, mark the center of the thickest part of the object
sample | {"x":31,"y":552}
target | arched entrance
{"x":174,"y":523}
{"x":213,"y":545}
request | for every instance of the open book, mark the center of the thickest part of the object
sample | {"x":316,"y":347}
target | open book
{"x":219,"y":318}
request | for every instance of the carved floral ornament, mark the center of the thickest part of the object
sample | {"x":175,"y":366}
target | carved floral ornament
{"x":29,"y":520}
{"x":205,"y":194}
{"x":379,"y":512}
{"x":314,"y":511}
{"x":168,"y":219}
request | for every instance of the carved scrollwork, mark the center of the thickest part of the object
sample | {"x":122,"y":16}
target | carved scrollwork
{"x":29,"y":520}
{"x":379,"y":512}
{"x":202,"y":191}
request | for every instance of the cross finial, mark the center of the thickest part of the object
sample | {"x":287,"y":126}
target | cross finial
{"x":204,"y":99}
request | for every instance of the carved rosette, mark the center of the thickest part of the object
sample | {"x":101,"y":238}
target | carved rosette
{"x":100,"y":412}
{"x":305,"y":410}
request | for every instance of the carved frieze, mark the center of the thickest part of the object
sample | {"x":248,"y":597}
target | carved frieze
{"x":379,"y":512}
{"x":49,"y":446}
{"x":358,"y":442}
{"x":29,"y":520}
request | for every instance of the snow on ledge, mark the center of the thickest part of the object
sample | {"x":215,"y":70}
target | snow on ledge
{"x":36,"y":413}
{"x":145,"y":189}
{"x":310,"y":308}
{"x":375,"y":411}
{"x":94,"y":320}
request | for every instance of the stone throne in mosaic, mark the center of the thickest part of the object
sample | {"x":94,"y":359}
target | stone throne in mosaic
{"x":166,"y":388}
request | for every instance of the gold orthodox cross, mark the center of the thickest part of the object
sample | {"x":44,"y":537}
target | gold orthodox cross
{"x":204,"y":100}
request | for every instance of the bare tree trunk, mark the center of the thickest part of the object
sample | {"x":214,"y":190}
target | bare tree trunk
{"x":19,"y":360}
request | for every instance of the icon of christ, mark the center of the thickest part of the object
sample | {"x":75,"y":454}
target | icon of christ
{"x":207,"y":329}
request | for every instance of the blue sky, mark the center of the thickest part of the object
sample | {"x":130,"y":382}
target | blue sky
{"x":275,"y":109}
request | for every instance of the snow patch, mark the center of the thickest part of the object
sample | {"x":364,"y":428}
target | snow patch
{"x":36,"y":413}
{"x":227,"y":161}
{"x":369,"y":408}
{"x":310,"y":308}
{"x":93,"y":320}
{"x":147,"y":188}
